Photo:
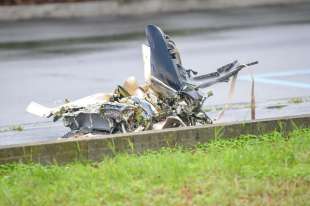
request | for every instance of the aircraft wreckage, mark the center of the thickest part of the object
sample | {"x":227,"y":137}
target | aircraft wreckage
{"x":170,"y":97}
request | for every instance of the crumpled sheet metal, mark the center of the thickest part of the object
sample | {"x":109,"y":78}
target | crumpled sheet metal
{"x":169,"y":97}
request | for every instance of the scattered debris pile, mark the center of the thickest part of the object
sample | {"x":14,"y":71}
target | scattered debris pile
{"x":170,"y":97}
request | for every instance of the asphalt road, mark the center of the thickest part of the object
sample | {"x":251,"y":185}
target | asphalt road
{"x":50,"y":60}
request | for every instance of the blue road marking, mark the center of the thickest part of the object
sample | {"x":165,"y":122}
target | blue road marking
{"x":265,"y":78}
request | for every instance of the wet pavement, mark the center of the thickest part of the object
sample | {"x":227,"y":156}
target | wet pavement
{"x":48,"y":131}
{"x":50,"y":60}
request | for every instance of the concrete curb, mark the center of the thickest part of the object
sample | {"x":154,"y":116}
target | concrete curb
{"x":121,"y":7}
{"x":98,"y":147}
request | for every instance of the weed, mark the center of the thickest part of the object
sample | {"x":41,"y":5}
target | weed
{"x":296,"y":100}
{"x":17,"y":128}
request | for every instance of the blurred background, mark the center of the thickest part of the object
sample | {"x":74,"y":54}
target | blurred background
{"x":56,"y":49}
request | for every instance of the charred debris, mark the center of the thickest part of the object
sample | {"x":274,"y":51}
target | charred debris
{"x":170,"y":97}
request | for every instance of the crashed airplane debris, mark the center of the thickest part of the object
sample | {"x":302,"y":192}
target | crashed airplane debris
{"x":170,"y":97}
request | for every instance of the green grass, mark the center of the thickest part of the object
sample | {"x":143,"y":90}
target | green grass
{"x":296,"y":100}
{"x":17,"y":128}
{"x":264,"y":170}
